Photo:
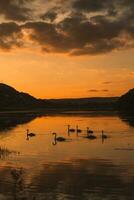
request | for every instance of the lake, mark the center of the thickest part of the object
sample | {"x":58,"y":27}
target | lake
{"x":37,"y":168}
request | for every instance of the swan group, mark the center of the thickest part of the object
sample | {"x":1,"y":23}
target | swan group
{"x":90,"y":134}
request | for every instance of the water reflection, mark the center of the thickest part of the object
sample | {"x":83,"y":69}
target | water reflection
{"x":79,"y":169}
{"x":76,"y":179}
{"x":4,"y":153}
{"x":18,"y":183}
{"x":127,"y":118}
{"x":7,"y":122}
{"x":83,"y":179}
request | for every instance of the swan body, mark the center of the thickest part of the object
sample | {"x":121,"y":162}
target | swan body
{"x":30,"y":134}
{"x":91,"y":137}
{"x":89,"y":131}
{"x":78,"y":130}
{"x":59,"y":139}
{"x":104,"y":136}
{"x":70,"y":129}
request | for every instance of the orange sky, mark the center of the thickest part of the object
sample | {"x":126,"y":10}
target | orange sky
{"x":59,"y":57}
{"x":59,"y":76}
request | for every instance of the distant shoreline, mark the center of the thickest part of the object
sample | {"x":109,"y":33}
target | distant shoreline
{"x":13,"y":101}
{"x":47,"y":112}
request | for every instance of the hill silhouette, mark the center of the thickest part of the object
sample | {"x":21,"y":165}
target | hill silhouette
{"x":126,"y":101}
{"x":84,"y":104}
{"x":11,"y":99}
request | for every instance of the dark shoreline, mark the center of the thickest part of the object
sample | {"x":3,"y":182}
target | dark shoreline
{"x":11,"y":119}
{"x":58,"y":112}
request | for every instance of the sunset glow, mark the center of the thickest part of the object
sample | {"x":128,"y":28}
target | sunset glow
{"x":47,"y":50}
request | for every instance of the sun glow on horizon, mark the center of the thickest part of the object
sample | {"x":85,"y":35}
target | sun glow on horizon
{"x":61,"y":76}
{"x":79,"y":49}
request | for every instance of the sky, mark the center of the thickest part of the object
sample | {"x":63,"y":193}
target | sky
{"x":67,"y":48}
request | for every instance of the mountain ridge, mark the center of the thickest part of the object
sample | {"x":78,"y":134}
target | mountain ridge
{"x":126,"y":101}
{"x":11,"y":99}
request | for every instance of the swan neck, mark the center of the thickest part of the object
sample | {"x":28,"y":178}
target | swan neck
{"x":55,"y":136}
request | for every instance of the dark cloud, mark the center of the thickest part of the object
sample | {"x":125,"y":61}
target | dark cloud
{"x":10,"y":36}
{"x":77,"y":35}
{"x":91,"y":5}
{"x":78,"y":32}
{"x":95,"y":90}
{"x":50,"y":16}
{"x":105,"y":90}
{"x":47,"y":36}
{"x":106,"y":82}
{"x":111,"y":7}
{"x":15,"y":9}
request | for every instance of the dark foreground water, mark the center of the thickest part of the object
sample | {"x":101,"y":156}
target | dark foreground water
{"x":78,"y":169}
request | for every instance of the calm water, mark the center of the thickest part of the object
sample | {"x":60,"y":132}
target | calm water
{"x":78,"y":169}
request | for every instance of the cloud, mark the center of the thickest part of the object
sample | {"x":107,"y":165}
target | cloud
{"x":95,"y":90}
{"x":15,"y":9}
{"x":50,"y":16}
{"x":112,"y":8}
{"x":76,"y":35}
{"x":46,"y":35}
{"x":106,"y":82}
{"x":91,"y":5}
{"x":105,"y":90}
{"x":87,"y":27}
{"x":10,"y":36}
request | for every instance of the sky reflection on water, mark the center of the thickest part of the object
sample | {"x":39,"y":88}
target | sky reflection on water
{"x":76,"y":169}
